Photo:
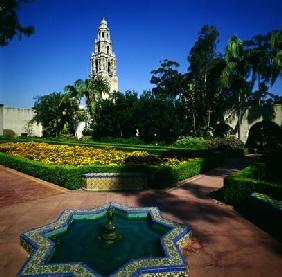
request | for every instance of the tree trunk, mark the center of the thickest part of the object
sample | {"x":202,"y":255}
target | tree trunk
{"x":239,"y":116}
{"x":194,"y":122}
{"x":239,"y":123}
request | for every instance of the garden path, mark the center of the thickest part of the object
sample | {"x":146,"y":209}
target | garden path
{"x":223,"y":244}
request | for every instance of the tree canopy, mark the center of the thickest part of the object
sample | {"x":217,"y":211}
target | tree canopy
{"x":9,"y":21}
{"x":55,"y":113}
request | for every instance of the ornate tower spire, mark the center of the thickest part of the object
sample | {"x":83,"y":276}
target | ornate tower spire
{"x":103,"y":59}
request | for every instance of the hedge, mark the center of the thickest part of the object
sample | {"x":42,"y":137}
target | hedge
{"x":239,"y":186}
{"x":69,"y":176}
{"x":265,"y":212}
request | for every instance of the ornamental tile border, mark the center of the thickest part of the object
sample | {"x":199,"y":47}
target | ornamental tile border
{"x":40,"y":247}
{"x":266,"y":199}
{"x":113,"y":181}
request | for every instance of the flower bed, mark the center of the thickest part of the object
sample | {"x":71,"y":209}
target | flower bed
{"x":159,"y":174}
{"x":81,"y":155}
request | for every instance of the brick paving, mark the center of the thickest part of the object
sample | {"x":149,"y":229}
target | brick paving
{"x":223,"y":244}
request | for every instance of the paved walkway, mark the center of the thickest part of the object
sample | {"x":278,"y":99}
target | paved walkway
{"x":224,"y":244}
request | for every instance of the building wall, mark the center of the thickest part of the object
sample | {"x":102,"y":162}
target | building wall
{"x":16,"y":119}
{"x":252,"y":116}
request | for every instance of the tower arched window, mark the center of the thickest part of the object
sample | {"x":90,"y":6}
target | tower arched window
{"x":96,"y":66}
{"x":103,"y":34}
{"x":108,"y":49}
{"x":109,"y":68}
{"x":98,"y":48}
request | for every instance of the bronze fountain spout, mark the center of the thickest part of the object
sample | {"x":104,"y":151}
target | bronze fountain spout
{"x":110,"y":233}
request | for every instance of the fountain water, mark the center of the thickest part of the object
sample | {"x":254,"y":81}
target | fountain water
{"x":108,"y":241}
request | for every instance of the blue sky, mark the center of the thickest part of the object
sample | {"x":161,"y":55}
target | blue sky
{"x":143,"y":32}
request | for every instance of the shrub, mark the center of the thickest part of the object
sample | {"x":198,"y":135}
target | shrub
{"x":87,"y":131}
{"x":226,"y":143}
{"x":191,"y":142}
{"x":9,"y":133}
{"x":264,"y":134}
{"x":222,"y":130}
{"x":86,"y":139}
{"x":132,"y":140}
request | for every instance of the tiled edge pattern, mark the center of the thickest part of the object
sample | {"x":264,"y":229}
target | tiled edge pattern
{"x":113,"y":181}
{"x":36,"y":242}
{"x":276,"y":204}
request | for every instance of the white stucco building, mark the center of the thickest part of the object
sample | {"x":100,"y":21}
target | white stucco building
{"x":16,"y":121}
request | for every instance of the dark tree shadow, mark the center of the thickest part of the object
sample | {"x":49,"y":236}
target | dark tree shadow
{"x":186,"y":211}
{"x":204,"y":216}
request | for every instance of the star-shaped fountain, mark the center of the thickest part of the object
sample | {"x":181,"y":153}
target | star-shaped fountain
{"x":111,"y":240}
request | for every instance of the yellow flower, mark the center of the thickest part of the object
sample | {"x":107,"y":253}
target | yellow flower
{"x":81,"y":155}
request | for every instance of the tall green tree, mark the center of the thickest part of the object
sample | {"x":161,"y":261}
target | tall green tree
{"x":9,"y":21}
{"x":202,"y":88}
{"x":159,"y":118}
{"x":156,"y":118}
{"x":236,"y":77}
{"x":55,"y":113}
{"x":117,"y":117}
{"x":276,"y":45}
{"x":265,"y":58}
{"x":167,"y":79}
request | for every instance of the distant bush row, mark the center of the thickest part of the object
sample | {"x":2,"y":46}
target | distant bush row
{"x":225,"y":143}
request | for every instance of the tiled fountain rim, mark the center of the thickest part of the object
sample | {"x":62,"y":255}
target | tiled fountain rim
{"x":40,"y":247}
{"x":115,"y":174}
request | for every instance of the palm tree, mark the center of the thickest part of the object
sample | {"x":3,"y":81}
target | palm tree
{"x":235,"y":76}
{"x":265,"y":57}
{"x":93,"y":89}
{"x":276,"y":45}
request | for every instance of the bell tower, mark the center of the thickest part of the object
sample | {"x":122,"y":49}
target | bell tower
{"x":103,"y":59}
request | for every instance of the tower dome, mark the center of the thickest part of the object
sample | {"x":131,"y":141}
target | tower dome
{"x":103,"y":23}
